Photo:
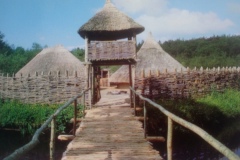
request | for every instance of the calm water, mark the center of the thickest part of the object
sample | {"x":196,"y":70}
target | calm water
{"x":186,"y":146}
{"x":11,"y":140}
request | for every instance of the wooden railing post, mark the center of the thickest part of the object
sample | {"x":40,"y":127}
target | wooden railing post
{"x":169,"y":138}
{"x":52,"y":139}
{"x":134,"y":103}
{"x":75,"y":117}
{"x":197,"y":130}
{"x":145,"y":120}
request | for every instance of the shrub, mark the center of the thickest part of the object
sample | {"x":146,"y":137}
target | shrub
{"x":29,"y":117}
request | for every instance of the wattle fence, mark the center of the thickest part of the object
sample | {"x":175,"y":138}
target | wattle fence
{"x":50,"y":88}
{"x":47,"y":89}
{"x":187,"y":84}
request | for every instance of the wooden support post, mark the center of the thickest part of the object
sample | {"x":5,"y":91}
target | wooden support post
{"x":75,"y":117}
{"x":133,"y":76}
{"x":134,"y":104}
{"x":84,"y":107}
{"x":150,"y":84}
{"x":130,"y":83}
{"x":86,"y":48}
{"x":108,"y":81}
{"x":145,"y":119}
{"x":135,"y":41}
{"x":169,"y":139}
{"x":90,"y":80}
{"x":94,"y":70}
{"x":143,"y":80}
{"x":52,"y":139}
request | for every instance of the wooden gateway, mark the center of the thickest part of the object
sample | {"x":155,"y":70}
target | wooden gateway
{"x":110,"y":39}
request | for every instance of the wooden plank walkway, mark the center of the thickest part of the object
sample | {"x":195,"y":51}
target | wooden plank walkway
{"x":110,"y":132}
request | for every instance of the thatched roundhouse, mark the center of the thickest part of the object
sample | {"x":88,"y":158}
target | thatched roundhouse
{"x":110,"y":24}
{"x":53,"y":59}
{"x":152,"y":57}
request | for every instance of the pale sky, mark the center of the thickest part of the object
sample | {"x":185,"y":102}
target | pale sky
{"x":53,"y":22}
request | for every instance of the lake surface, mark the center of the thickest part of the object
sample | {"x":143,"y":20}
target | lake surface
{"x":189,"y":146}
{"x":12,"y":140}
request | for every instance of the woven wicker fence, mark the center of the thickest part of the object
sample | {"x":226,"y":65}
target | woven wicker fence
{"x":191,"y":83}
{"x":46,"y":89}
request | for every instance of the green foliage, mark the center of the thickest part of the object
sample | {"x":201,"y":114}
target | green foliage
{"x":79,"y":53}
{"x":15,"y":59}
{"x":209,"y":112}
{"x":228,"y":102}
{"x":114,"y":68}
{"x":29,"y":117}
{"x":216,"y":51}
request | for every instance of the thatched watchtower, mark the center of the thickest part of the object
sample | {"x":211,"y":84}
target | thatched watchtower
{"x":102,"y":46}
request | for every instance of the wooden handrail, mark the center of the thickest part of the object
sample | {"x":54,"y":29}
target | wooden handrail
{"x":29,"y":146}
{"x":197,"y":130}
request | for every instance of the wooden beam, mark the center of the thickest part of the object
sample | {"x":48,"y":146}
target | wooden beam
{"x":156,"y":139}
{"x":66,"y":137}
{"x":113,"y":62}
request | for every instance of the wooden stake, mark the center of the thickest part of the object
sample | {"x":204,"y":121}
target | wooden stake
{"x":145,"y":120}
{"x":52,"y":139}
{"x":169,"y":139}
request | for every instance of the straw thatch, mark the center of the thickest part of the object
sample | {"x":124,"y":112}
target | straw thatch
{"x":54,"y":59}
{"x":110,"y":24}
{"x":152,"y":57}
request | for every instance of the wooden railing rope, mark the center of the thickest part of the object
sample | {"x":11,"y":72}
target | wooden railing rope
{"x":197,"y":130}
{"x":29,"y":146}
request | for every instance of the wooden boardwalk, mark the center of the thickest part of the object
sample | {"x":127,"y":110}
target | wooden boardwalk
{"x":110,"y":132}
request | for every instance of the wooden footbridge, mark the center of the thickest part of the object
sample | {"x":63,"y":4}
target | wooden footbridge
{"x":110,"y":132}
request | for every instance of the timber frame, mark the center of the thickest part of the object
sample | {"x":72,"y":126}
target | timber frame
{"x":107,"y":53}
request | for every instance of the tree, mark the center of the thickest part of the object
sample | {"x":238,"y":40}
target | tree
{"x":36,"y":46}
{"x":79,"y":53}
{"x":5,"y":49}
{"x":206,"y":52}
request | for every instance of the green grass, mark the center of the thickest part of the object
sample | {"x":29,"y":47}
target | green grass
{"x":29,"y":117}
{"x":227,"y":102}
{"x":210,"y":112}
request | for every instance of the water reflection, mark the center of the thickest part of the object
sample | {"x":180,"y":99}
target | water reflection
{"x":188,"y":146}
{"x":12,"y":140}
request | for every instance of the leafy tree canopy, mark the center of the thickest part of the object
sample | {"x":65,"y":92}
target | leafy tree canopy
{"x":216,"y":51}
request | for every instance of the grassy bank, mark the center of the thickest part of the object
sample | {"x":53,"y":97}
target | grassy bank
{"x":212,"y":112}
{"x":29,"y":117}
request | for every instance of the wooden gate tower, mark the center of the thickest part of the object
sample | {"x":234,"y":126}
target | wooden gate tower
{"x":110,"y":39}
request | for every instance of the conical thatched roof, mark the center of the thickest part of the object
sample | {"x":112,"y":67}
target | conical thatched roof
{"x":110,"y":24}
{"x":53,"y":59}
{"x":151,"y":57}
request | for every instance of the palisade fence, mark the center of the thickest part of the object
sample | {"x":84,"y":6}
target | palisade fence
{"x":187,"y":84}
{"x":44,"y":88}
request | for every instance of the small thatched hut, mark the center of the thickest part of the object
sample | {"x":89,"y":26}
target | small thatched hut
{"x":110,"y":24}
{"x":53,"y":59}
{"x":152,"y":57}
